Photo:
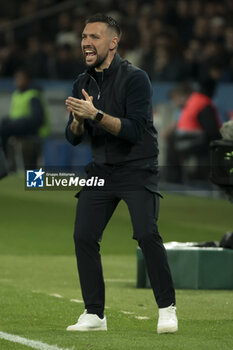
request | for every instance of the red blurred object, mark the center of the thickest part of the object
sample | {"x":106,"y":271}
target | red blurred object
{"x":230,"y":115}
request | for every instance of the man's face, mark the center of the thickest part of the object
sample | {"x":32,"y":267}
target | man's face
{"x":96,"y":43}
{"x":179,"y":99}
{"x":21,"y":80}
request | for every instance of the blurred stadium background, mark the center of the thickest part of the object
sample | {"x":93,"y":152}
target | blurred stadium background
{"x":175,"y":42}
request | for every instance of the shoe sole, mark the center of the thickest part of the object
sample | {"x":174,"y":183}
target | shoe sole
{"x":86,"y":329}
{"x":167,"y":330}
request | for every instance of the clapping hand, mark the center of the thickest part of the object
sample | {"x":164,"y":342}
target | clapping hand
{"x":82,"y":108}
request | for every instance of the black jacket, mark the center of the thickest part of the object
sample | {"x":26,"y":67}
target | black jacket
{"x":125,"y":93}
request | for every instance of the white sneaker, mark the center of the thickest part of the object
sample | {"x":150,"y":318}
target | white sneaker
{"x":89,"y":322}
{"x":167,"y":322}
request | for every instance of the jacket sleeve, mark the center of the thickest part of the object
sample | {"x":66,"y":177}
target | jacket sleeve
{"x":138,"y":107}
{"x":70,"y":136}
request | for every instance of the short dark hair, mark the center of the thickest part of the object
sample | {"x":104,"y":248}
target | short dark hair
{"x":208,"y":86}
{"x":26,"y":71}
{"x":184,"y":89}
{"x":111,"y":22}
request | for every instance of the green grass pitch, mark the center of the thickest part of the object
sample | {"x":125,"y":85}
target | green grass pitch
{"x":40,"y":293}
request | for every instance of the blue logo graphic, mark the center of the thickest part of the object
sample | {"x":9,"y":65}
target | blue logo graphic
{"x":35,"y":178}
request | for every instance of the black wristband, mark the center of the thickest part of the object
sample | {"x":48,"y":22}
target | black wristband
{"x":99,"y":116}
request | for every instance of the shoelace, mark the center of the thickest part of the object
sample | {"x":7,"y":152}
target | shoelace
{"x":167,"y":314}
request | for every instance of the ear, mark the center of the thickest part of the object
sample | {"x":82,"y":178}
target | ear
{"x":114,"y":43}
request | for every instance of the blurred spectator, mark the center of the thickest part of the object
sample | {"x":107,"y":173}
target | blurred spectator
{"x":27,"y":8}
{"x":164,"y":61}
{"x":183,"y":21}
{"x":27,"y":121}
{"x":199,"y":115}
{"x":229,"y":38}
{"x":210,"y":9}
{"x":217,"y":28}
{"x":50,"y":52}
{"x":36,"y":58}
{"x":66,"y":35}
{"x":66,"y":66}
{"x":179,"y":96}
{"x":167,"y":67}
{"x":193,"y":58}
{"x":195,"y":8}
{"x":173,"y":40}
{"x":11,"y":58}
{"x":215,"y":56}
{"x":160,"y":9}
{"x":197,"y":126}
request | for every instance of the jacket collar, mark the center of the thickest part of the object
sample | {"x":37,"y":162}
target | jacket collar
{"x":114,"y":64}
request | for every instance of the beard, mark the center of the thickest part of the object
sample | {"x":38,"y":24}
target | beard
{"x":99,"y":61}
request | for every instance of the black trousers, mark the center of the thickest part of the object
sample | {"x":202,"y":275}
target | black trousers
{"x":94,"y":210}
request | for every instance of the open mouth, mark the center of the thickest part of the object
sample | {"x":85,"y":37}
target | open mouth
{"x":89,"y":53}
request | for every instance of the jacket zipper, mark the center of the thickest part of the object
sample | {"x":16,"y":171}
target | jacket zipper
{"x":99,"y":92}
{"x":98,"y":97}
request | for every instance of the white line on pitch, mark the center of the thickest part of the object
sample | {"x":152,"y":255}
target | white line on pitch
{"x":118,"y":280}
{"x":127,"y":312}
{"x":55,"y":295}
{"x":76,"y":301}
{"x":27,"y":342}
